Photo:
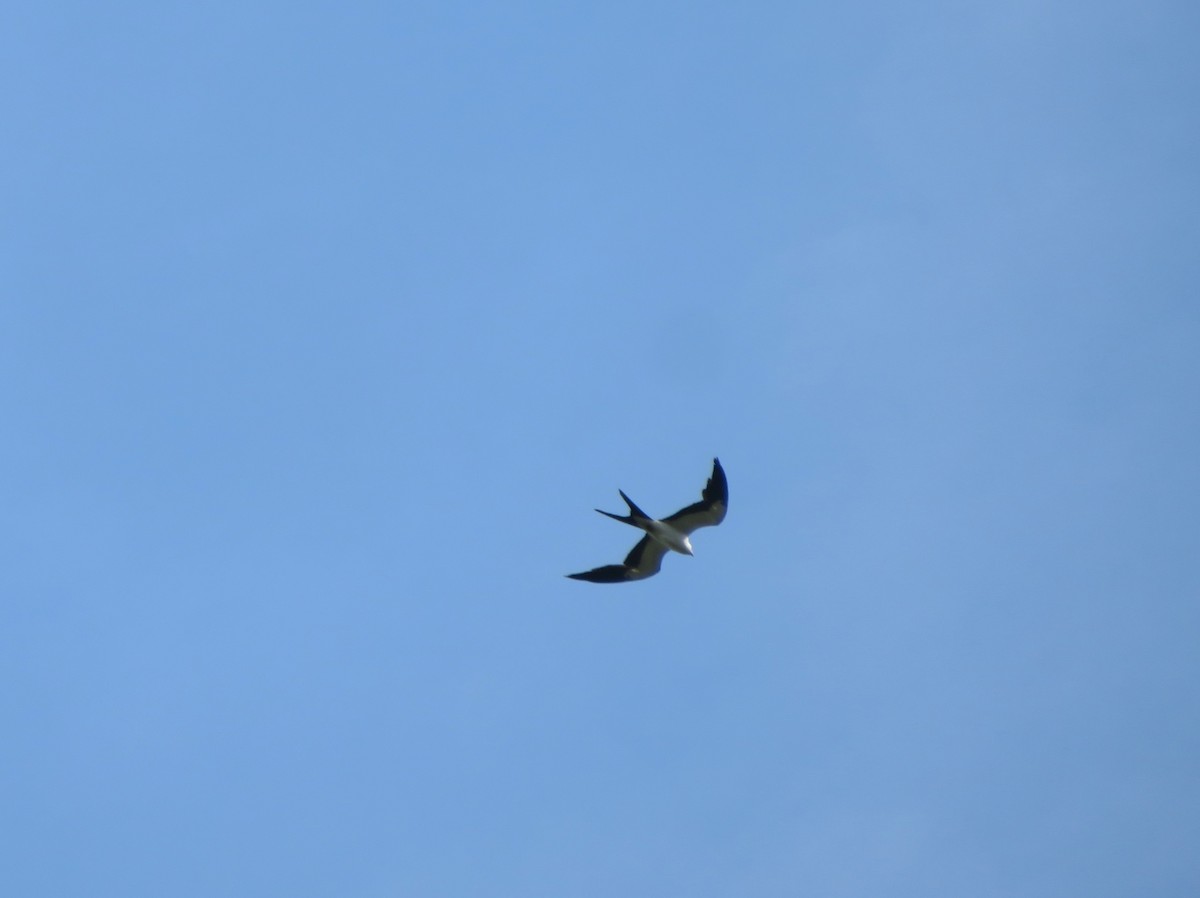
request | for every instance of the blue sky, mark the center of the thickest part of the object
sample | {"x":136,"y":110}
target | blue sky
{"x":324,"y":328}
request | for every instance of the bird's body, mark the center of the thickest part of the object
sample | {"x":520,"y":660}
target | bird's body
{"x":673,"y":539}
{"x":669,"y":534}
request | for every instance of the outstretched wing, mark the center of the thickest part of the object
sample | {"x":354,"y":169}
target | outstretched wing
{"x":711,"y":508}
{"x":644,"y":560}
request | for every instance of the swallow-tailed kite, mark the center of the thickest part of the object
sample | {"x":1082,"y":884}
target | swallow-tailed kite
{"x":645,"y":559}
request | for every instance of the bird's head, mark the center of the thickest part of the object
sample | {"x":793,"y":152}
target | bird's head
{"x":687,"y":546}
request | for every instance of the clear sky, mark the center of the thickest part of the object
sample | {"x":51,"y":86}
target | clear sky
{"x":324,"y":327}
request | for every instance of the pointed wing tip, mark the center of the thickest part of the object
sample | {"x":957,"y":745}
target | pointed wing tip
{"x":718,"y":484}
{"x":610,"y":573}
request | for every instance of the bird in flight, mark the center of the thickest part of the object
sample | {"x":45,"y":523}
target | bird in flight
{"x":671,"y":533}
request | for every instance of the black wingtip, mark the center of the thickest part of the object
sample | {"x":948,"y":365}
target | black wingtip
{"x":610,"y":573}
{"x":717,"y":488}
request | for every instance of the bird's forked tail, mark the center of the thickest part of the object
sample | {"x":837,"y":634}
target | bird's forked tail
{"x":635,"y":515}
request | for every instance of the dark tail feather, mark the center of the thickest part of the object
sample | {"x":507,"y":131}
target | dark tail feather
{"x":617,"y":517}
{"x":635,"y":513}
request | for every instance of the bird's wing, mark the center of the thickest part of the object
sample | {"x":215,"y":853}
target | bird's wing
{"x":711,"y":508}
{"x":610,"y":573}
{"x":644,"y":560}
{"x":646,"y":557}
